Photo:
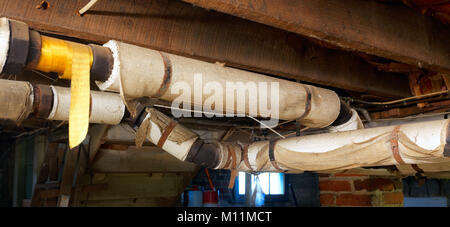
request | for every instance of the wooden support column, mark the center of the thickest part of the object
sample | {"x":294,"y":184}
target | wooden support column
{"x":86,"y":157}
{"x":44,"y":173}
{"x":70,"y":164}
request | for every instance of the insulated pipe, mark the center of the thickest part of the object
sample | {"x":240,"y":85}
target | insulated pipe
{"x":141,"y":72}
{"x":107,"y":107}
{"x":73,"y":61}
{"x":418,"y":143}
{"x":138,"y":72}
{"x":20,"y":99}
{"x":16,"y":100}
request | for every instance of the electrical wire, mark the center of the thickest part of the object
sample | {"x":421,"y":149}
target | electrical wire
{"x":87,"y":7}
{"x":418,"y":97}
{"x":202,"y":112}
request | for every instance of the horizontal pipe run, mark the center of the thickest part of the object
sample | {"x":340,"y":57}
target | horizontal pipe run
{"x":418,"y":143}
{"x":21,"y":99}
{"x":137,"y":72}
{"x":141,"y":72}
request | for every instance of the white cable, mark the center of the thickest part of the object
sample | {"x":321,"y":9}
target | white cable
{"x":87,"y":7}
{"x":196,"y":111}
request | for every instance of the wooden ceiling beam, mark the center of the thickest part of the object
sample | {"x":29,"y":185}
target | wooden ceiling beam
{"x":180,"y":28}
{"x":388,"y":30}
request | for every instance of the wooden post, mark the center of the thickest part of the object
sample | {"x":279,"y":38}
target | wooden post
{"x":68,"y":174}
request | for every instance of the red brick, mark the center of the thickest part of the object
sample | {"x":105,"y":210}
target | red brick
{"x":393,"y":198}
{"x":336,"y":186}
{"x":349,"y":175}
{"x":327,"y":200}
{"x":374,"y":184}
{"x":353,"y":200}
{"x":324,"y":175}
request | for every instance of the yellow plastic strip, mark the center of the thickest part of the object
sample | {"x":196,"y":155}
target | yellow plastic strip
{"x":55,"y":54}
{"x":71,"y":61}
{"x":79,"y":94}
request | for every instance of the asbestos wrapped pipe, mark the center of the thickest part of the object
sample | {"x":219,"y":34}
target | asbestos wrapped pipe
{"x":418,"y":143}
{"x":16,"y":100}
{"x":137,"y":72}
{"x":182,"y":143}
{"x":141,"y":72}
{"x":353,"y":123}
{"x":4,"y":41}
{"x":20,"y":99}
{"x":106,"y":107}
{"x":162,"y":131}
{"x":424,"y":168}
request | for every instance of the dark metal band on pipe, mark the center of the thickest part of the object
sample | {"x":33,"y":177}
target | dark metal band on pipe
{"x":43,"y":101}
{"x":204,"y":154}
{"x":19,"y":42}
{"x":102,"y":64}
{"x":34,"y":51}
{"x":200,"y":153}
{"x":345,"y":114}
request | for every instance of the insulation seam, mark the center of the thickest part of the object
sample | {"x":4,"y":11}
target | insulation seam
{"x":4,"y":41}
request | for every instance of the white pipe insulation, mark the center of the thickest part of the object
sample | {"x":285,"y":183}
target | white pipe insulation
{"x":16,"y":101}
{"x":4,"y":41}
{"x":418,"y":143}
{"x":141,"y":72}
{"x":107,"y":107}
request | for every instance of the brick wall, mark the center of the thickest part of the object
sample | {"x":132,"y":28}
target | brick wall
{"x":359,"y":190}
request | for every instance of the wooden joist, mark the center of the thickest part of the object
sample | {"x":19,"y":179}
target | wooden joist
{"x":180,"y":28}
{"x":68,"y":174}
{"x":387,"y":30}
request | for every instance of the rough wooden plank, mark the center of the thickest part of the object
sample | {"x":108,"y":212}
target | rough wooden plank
{"x":97,"y":134}
{"x":54,"y":192}
{"x":392,"y":31}
{"x":44,"y":172}
{"x":143,"y":160}
{"x":433,"y":107}
{"x":136,"y":202}
{"x":180,"y":28}
{"x":131,"y":186}
{"x":68,"y":174}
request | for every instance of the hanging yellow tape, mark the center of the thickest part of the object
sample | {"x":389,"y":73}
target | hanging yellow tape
{"x":71,"y":61}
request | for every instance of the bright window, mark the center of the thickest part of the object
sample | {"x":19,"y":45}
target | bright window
{"x":271,"y":183}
